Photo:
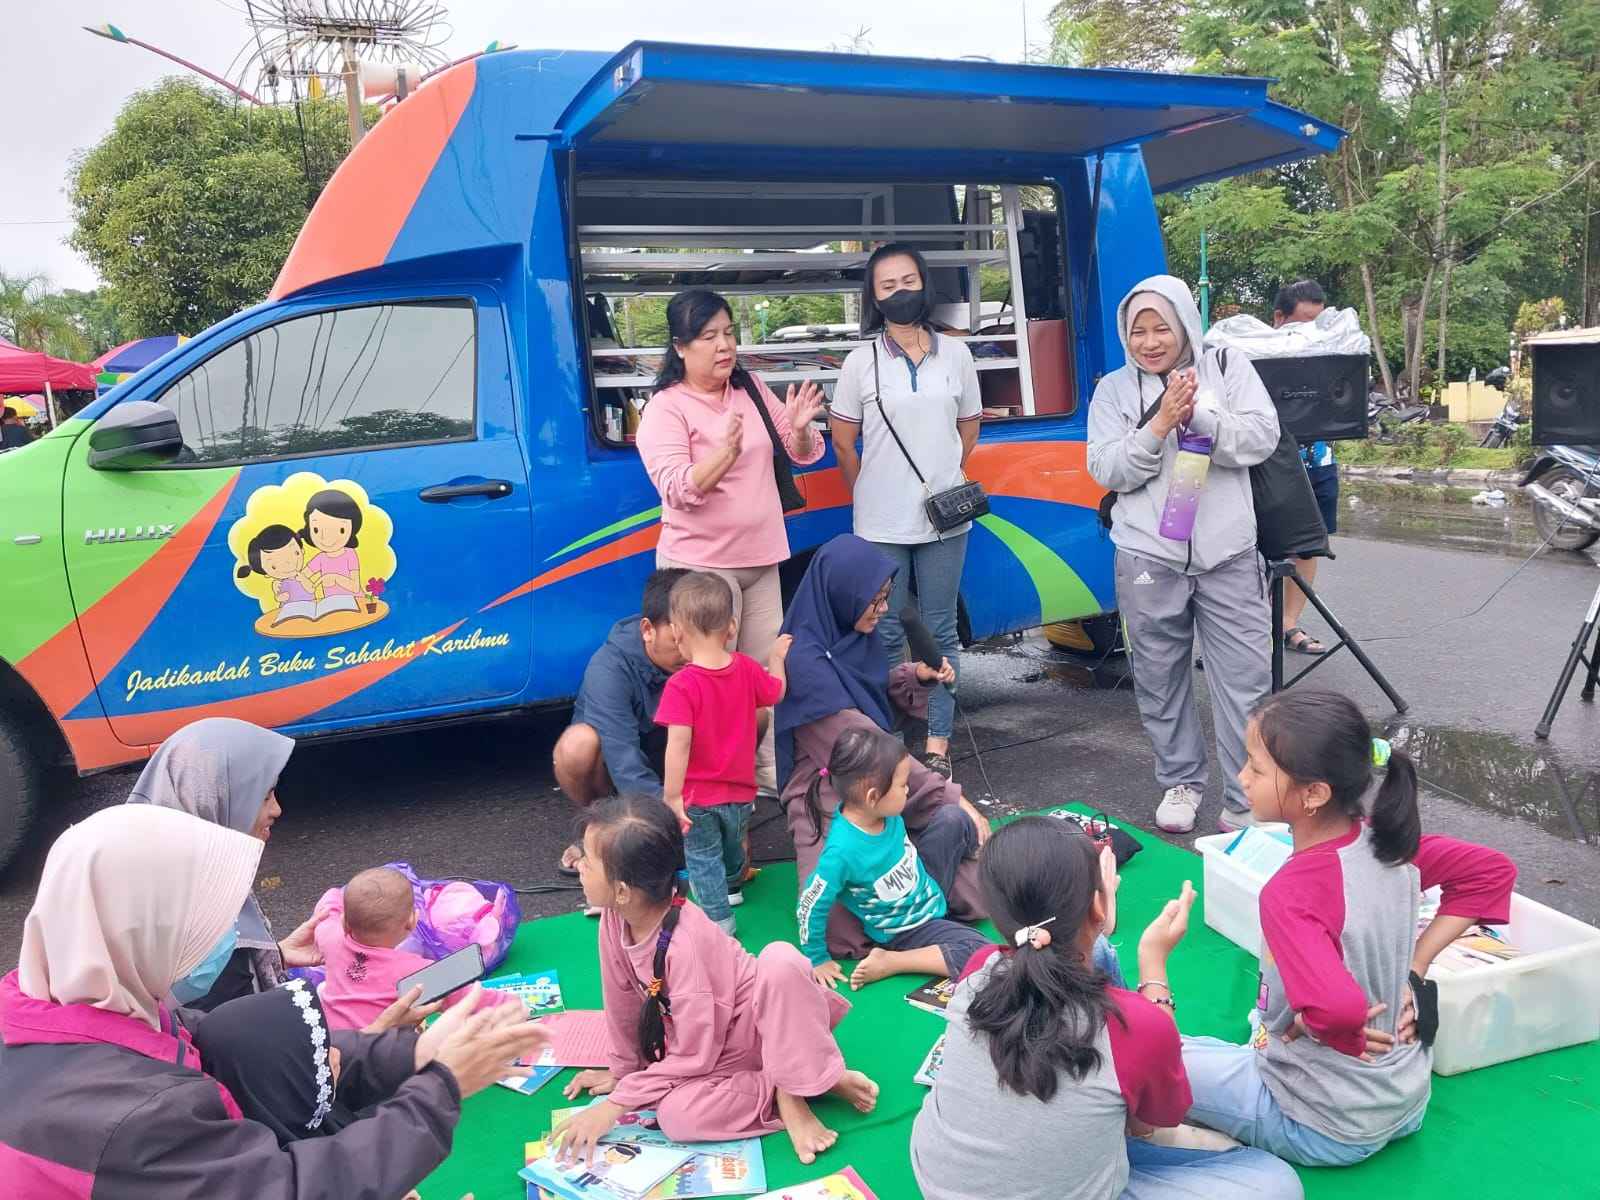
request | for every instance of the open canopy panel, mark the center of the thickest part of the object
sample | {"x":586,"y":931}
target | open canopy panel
{"x":685,"y":109}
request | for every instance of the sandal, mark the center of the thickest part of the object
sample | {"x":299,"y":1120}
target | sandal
{"x":571,"y":872}
{"x":939,"y":763}
{"x":1301,"y":642}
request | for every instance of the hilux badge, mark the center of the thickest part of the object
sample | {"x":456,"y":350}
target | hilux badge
{"x":139,"y":533}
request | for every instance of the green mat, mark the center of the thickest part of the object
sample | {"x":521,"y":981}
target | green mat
{"x":1529,"y":1128}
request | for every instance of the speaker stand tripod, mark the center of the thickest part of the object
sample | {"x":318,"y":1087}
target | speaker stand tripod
{"x":1591,"y":620}
{"x":1280,"y":573}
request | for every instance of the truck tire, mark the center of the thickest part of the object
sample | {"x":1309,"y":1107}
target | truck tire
{"x":22,"y":782}
{"x":1569,"y":485}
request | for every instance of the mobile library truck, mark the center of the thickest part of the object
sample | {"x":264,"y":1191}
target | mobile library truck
{"x":403,"y":489}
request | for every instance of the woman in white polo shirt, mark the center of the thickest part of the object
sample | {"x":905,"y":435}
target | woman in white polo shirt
{"x":924,"y":384}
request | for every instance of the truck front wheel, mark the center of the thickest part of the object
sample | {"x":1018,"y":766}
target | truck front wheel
{"x":22,"y":782}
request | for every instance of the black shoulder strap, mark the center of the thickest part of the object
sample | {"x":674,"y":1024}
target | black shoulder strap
{"x":877,"y":387}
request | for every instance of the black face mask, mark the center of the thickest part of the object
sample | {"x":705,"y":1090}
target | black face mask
{"x":905,"y":307}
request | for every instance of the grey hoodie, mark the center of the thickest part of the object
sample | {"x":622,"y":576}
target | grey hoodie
{"x":1234,"y":411}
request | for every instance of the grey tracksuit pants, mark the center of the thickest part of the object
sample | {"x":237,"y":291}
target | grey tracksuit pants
{"x":1162,"y":611}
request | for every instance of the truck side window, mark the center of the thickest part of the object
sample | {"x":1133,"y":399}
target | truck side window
{"x":343,"y":379}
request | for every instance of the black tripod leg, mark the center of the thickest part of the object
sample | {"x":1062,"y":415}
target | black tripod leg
{"x":1349,"y":640}
{"x":1275,"y":583}
{"x":1569,"y":668}
{"x":1594,"y":668}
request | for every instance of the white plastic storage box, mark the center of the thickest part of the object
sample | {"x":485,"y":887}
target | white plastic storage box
{"x":1545,"y":998}
{"x":1231,"y":897}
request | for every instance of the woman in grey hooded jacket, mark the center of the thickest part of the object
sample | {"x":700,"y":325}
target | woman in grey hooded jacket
{"x":1210,"y":583}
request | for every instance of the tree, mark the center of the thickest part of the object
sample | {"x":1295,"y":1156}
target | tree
{"x":189,"y":206}
{"x":37,"y":318}
{"x":1114,"y":33}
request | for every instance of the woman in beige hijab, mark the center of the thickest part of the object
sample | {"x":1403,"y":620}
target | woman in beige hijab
{"x":104,"y":1090}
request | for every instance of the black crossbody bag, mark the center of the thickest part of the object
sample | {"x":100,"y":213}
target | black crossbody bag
{"x":947,"y":509}
{"x":789,"y":493}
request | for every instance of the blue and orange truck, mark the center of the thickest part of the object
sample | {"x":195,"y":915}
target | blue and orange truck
{"x":402,"y":490}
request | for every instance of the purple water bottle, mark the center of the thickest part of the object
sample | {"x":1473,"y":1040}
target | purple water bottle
{"x":1188,"y":480}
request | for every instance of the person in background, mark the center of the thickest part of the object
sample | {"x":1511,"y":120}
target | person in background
{"x":1208,"y":584}
{"x":708,"y":450}
{"x":13,"y":432}
{"x":1297,"y":302}
{"x":614,"y":745}
{"x":925,"y":386}
{"x":709,"y":710}
{"x":226,"y":771}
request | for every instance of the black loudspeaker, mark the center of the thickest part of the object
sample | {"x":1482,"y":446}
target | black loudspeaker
{"x":1320,"y":398}
{"x":1043,"y":269}
{"x":1566,"y":394}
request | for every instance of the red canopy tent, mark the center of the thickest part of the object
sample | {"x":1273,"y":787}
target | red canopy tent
{"x":27,"y":371}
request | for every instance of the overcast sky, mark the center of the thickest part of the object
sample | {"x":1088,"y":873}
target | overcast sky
{"x":63,"y":88}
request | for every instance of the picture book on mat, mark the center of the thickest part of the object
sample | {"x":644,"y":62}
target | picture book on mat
{"x":530,"y":1085}
{"x":929,"y":1070}
{"x":933,"y":996}
{"x":844,"y":1185}
{"x":733,"y":1168}
{"x":540,"y":991}
{"x":619,"y":1169}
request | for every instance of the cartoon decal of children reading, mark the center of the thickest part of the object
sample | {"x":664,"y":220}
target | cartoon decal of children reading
{"x":333,"y":520}
{"x":340,"y":588}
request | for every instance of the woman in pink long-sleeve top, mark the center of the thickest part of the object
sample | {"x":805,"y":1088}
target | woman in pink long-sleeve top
{"x":721,"y":1043}
{"x":709,"y":439}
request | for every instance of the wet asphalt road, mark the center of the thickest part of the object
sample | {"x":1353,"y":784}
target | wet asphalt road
{"x":479,"y":800}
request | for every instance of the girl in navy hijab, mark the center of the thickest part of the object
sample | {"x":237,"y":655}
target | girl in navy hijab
{"x":839,"y":679}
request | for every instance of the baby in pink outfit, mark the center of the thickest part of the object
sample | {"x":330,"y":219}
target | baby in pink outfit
{"x":361,"y":951}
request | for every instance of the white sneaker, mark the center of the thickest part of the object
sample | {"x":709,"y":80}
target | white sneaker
{"x":1233,"y":819}
{"x":1176,"y":812}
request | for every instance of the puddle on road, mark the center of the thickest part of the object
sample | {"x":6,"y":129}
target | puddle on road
{"x":1440,"y":516}
{"x":1085,"y":675}
{"x":1505,"y":776}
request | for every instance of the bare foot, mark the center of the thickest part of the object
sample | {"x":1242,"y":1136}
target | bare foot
{"x":873,"y":967}
{"x":858,"y":1090}
{"x":809,"y":1135}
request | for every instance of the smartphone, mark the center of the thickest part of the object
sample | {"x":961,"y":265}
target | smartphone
{"x":445,"y":976}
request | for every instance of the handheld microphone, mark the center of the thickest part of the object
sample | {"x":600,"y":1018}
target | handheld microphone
{"x":924,"y":646}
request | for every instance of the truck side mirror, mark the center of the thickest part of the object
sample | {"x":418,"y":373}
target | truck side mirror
{"x":133,"y":435}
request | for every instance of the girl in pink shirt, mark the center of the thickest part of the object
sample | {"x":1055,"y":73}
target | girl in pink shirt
{"x":721,"y":1043}
{"x":706,"y":446}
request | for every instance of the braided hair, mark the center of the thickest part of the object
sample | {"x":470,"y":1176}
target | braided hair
{"x":639,"y":843}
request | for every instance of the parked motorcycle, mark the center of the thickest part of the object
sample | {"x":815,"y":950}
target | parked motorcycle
{"x":1385,"y":416}
{"x":1564,"y":482}
{"x":1505,"y":425}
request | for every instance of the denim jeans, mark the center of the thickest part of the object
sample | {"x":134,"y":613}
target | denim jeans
{"x":714,"y":853}
{"x":1230,"y":1097}
{"x":1165,"y":1172}
{"x":936,"y":567}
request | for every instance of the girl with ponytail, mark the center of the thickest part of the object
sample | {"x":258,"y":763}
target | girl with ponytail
{"x":868,"y":863}
{"x":1049,"y":1063}
{"x":722,"y":1044}
{"x":1338,"y":1065}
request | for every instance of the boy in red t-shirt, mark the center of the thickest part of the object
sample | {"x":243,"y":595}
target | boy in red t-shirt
{"x":709,"y":708}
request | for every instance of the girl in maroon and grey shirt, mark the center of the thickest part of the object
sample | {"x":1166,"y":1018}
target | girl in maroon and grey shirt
{"x":1332,"y":1074}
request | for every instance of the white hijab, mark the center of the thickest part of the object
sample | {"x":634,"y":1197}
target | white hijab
{"x":131,"y":900}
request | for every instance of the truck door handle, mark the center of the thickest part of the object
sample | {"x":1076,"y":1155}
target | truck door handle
{"x":494,"y":489}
